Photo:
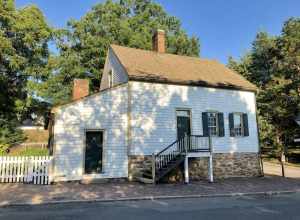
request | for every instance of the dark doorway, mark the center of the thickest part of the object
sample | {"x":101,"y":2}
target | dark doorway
{"x":93,"y":152}
{"x":183,"y":123}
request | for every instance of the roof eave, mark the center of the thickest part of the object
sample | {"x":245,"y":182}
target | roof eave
{"x":192,"y":83}
{"x":56,"y":107}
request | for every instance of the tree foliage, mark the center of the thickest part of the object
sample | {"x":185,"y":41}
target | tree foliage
{"x":83,"y":45}
{"x":24,"y":36}
{"x":273,"y":64}
{"x":30,"y":76}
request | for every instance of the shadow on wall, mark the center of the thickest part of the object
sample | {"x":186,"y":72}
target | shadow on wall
{"x":153,"y":123}
{"x":104,"y":111}
{"x":154,"y":116}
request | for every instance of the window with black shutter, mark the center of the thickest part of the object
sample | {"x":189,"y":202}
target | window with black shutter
{"x":238,"y":124}
{"x":205,"y":124}
{"x":213,"y":124}
{"x":245,"y":125}
{"x":220,"y":118}
{"x":231,"y":128}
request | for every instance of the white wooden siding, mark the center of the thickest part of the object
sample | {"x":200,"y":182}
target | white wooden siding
{"x":119,"y":74}
{"x":153,"y":119}
{"x":106,"y":111}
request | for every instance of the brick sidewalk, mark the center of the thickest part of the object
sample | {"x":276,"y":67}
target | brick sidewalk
{"x":37,"y":194}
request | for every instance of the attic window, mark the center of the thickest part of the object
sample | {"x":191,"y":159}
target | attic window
{"x":110,"y":79}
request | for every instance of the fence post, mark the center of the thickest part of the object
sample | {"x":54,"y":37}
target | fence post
{"x":153,"y":168}
{"x":30,"y":169}
{"x":51,"y":168}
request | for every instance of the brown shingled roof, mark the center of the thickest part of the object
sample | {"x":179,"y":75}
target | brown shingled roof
{"x":144,"y":65}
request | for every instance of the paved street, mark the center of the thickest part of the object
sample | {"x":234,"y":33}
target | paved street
{"x":275,"y":207}
{"x":11,"y":193}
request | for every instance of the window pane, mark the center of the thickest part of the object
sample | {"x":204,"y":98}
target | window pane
{"x":183,"y":113}
{"x":237,"y":120}
{"x":212,"y":123}
{"x":237,"y":124}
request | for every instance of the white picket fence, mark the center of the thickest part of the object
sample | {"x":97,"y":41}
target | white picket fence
{"x":26,"y":169}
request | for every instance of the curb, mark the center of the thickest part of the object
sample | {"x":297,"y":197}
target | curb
{"x":53,"y":202}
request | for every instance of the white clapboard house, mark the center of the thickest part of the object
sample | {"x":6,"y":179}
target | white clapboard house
{"x":157,"y":116}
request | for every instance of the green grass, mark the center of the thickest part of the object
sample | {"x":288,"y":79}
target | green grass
{"x":30,"y":151}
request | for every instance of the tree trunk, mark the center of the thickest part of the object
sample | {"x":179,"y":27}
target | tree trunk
{"x":282,"y":155}
{"x":282,"y":161}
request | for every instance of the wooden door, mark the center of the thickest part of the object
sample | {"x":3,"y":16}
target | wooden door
{"x":93,"y":152}
{"x":183,"y":123}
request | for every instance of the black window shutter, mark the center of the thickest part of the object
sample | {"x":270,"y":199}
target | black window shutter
{"x":205,"y":124}
{"x":231,"y":125}
{"x":221,"y":124}
{"x":245,"y":125}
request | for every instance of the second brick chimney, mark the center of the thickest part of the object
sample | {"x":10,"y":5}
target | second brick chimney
{"x":80,"y":88}
{"x":158,"y":41}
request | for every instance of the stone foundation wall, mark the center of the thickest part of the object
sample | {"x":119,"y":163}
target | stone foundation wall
{"x":224,"y":165}
{"x":136,"y":165}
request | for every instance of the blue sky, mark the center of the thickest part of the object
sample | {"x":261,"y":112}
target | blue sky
{"x":224,"y":27}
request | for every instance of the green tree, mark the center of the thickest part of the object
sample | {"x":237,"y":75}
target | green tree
{"x":24,"y":36}
{"x":256,"y":66}
{"x":273,"y":65}
{"x":83,"y":46}
{"x":282,"y":91}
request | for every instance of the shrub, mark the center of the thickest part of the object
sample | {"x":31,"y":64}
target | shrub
{"x":9,"y":134}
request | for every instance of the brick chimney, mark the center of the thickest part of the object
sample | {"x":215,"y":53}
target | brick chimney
{"x":158,"y":41}
{"x":80,"y":88}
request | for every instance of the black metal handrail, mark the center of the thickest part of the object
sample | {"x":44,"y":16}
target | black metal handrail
{"x":198,"y":143}
{"x":180,"y":147}
{"x":165,"y":149}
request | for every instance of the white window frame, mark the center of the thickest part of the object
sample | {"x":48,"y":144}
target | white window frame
{"x":216,"y":127}
{"x":238,"y":131}
{"x":189,"y":110}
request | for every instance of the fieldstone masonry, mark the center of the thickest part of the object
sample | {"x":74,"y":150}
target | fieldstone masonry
{"x":224,"y":164}
{"x":136,"y":165}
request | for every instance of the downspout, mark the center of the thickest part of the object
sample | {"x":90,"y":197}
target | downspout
{"x":129,"y":98}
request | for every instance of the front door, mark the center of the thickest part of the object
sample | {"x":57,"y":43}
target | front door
{"x":183,"y":123}
{"x":93,"y":152}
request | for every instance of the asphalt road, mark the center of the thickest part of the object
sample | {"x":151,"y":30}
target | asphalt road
{"x":261,"y":207}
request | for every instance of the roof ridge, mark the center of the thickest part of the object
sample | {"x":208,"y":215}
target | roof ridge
{"x":154,"y":67}
{"x":171,"y":54}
